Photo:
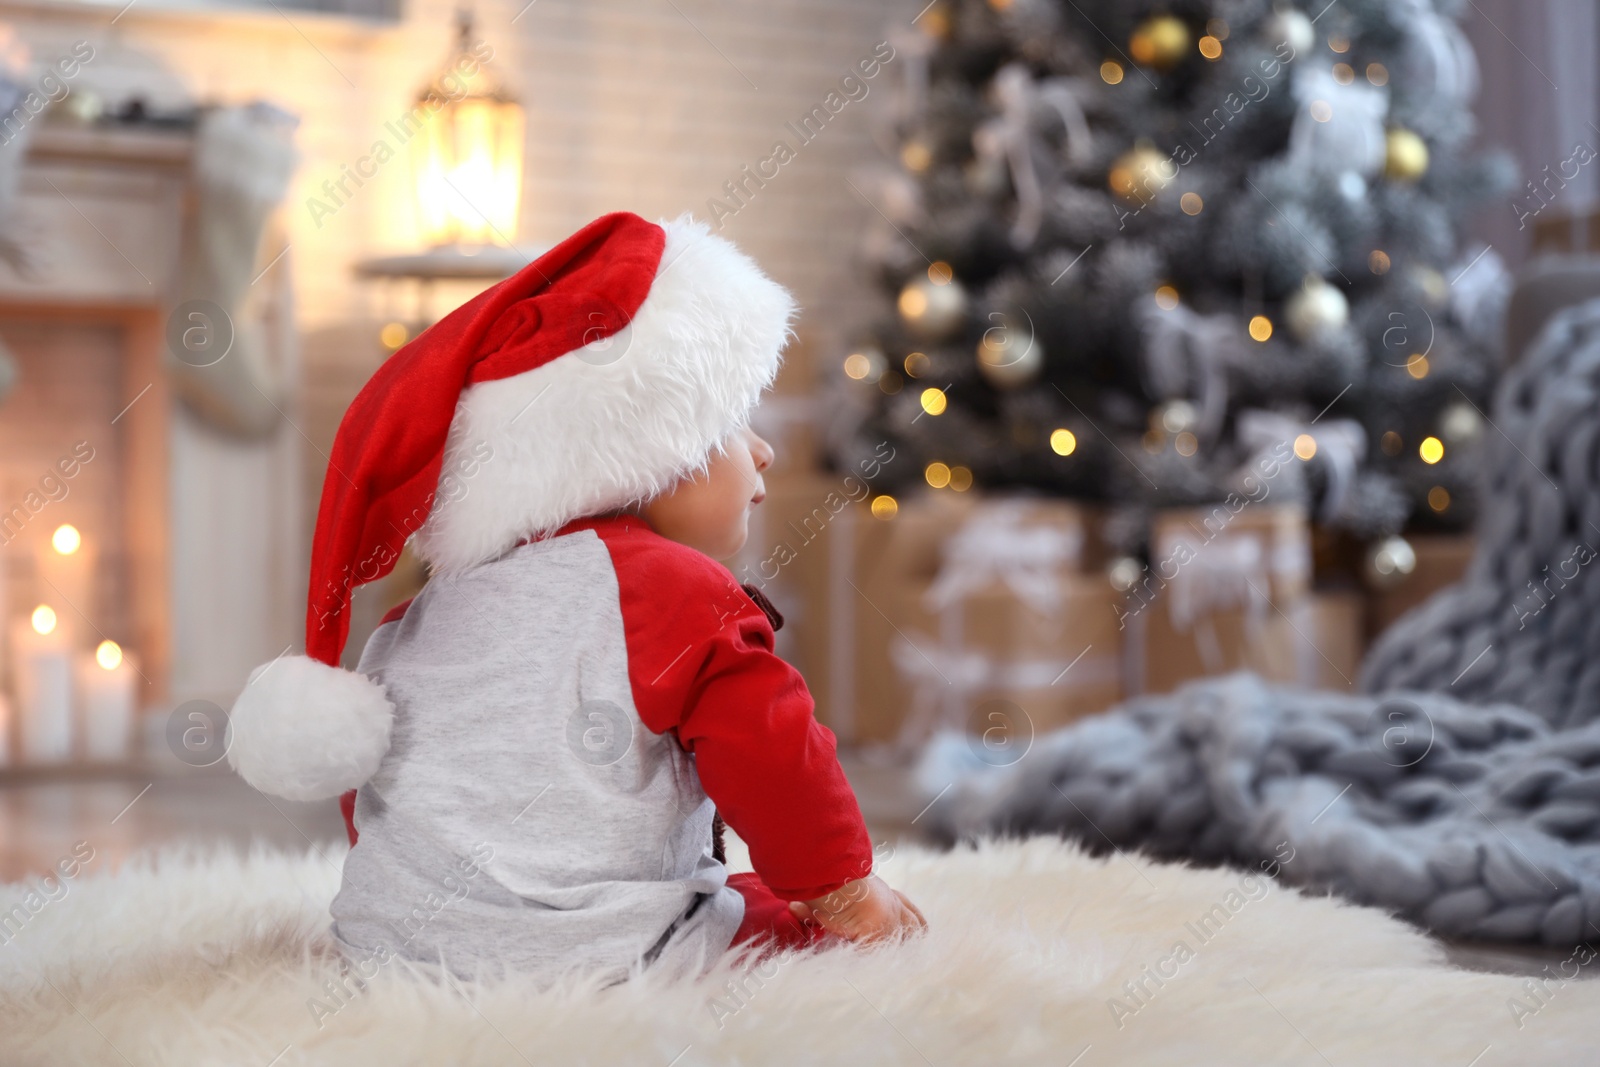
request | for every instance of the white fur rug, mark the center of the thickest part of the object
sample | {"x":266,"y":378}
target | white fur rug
{"x":1036,"y":956}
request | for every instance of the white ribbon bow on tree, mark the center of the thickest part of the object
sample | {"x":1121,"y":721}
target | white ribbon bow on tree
{"x":1350,"y":135}
{"x":1010,"y":136}
{"x":1341,"y":446}
{"x":1187,"y":354}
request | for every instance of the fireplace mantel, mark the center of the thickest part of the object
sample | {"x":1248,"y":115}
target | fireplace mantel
{"x":206,"y":527}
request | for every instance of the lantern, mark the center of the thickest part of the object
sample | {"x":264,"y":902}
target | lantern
{"x":467,"y":157}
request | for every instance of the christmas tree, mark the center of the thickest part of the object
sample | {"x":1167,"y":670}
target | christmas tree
{"x":1128,"y":246}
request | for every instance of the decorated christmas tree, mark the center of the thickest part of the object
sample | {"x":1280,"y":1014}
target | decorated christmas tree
{"x":1130,"y":246}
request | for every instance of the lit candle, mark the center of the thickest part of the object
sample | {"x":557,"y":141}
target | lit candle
{"x":44,"y":686}
{"x":106,"y":688}
{"x":66,"y":567}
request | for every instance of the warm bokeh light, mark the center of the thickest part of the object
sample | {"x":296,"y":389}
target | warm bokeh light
{"x":933,"y":401}
{"x":1431,"y":450}
{"x":1321,"y":110}
{"x":1210,"y":47}
{"x":1305,"y":446}
{"x":1186,"y":443}
{"x":1111,"y":72}
{"x":913,"y":302}
{"x":1167,"y":298}
{"x":916,"y":156}
{"x":858,"y":365}
{"x":939,"y":272}
{"x":44,"y":619}
{"x":884,"y":507}
{"x":1417,"y":367}
{"x":1377,"y":74}
{"x":1261,"y":328}
{"x":66,"y":540}
{"x":1343,"y":73}
{"x":937,"y":474}
{"x":917,"y":364}
{"x":109,"y":655}
{"x":1191,"y":204}
{"x":1439,"y":498}
{"x":1339,"y":43}
{"x":1378,"y":262}
{"x":1063,"y":442}
{"x":960,"y":479}
{"x":393,"y":335}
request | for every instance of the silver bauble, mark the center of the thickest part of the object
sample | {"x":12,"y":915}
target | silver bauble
{"x":1316,"y":310}
{"x":1289,"y":26}
{"x":933,"y":312}
{"x":1009,"y":355}
{"x":1461,"y":424}
{"x":1390,"y":561}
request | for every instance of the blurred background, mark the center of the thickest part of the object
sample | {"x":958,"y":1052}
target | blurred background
{"x":1141,"y":341}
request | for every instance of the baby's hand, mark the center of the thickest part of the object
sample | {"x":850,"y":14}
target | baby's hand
{"x":863,"y":910}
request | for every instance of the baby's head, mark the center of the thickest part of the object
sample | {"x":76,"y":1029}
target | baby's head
{"x":709,"y":510}
{"x":626,"y":369}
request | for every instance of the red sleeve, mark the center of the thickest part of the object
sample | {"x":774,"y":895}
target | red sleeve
{"x":701,"y":664}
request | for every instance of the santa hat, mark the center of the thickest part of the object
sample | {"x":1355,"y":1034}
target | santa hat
{"x":596,"y":377}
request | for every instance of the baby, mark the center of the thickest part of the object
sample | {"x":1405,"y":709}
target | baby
{"x":540,"y":743}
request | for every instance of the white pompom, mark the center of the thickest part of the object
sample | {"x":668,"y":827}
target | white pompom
{"x":303,"y":730}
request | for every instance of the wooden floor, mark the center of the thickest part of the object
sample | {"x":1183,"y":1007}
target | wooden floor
{"x":43,"y":819}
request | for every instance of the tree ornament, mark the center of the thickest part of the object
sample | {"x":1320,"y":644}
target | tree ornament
{"x":1124,"y":573}
{"x":1289,"y":26}
{"x":1140,"y":173}
{"x":931,"y":311}
{"x":1316,"y":310}
{"x":1390,"y":561}
{"x":1175,"y":417}
{"x":866,"y":364}
{"x":1009,"y":355}
{"x":1435,"y":290}
{"x":1160,"y":42}
{"x":1407,"y":158}
{"x":1461,"y":424}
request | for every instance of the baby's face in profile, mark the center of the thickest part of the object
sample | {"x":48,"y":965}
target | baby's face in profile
{"x":709,"y":511}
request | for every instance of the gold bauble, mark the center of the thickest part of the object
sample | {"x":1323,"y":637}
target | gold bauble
{"x":1160,"y":42}
{"x":931,"y":311}
{"x":1140,"y":173}
{"x":1009,"y":356}
{"x":1408,"y":155}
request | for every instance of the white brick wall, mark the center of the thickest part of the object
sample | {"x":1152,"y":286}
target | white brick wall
{"x":629,"y":106}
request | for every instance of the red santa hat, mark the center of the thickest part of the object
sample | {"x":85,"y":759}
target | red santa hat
{"x":596,"y":377}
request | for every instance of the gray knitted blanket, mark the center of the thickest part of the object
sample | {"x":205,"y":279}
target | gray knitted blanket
{"x":1462,"y":792}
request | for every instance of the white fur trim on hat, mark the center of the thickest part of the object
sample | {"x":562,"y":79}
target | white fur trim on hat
{"x":618,"y":421}
{"x":303,"y":730}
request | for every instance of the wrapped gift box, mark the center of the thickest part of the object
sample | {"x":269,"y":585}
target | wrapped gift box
{"x":886,"y":656}
{"x":1226,"y":591}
